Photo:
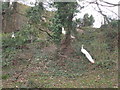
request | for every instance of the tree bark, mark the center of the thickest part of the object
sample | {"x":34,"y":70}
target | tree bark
{"x":66,"y":47}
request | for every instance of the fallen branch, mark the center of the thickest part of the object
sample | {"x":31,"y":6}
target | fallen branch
{"x":46,"y":32}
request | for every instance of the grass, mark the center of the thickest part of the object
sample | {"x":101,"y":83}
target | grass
{"x":45,"y":71}
{"x":87,"y":80}
{"x":6,"y":76}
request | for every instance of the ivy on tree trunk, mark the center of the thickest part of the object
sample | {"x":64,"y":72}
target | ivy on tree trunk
{"x":65,"y":13}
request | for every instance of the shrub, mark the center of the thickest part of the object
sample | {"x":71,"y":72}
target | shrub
{"x":11,"y":45}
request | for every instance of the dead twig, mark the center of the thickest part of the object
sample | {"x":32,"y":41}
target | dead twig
{"x":46,"y":32}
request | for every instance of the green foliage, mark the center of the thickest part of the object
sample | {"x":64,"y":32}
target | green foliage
{"x":85,"y":21}
{"x":32,"y":84}
{"x":56,"y":28}
{"x":91,"y":20}
{"x":64,"y":13}
{"x":101,"y":44}
{"x":21,"y":37}
{"x":7,"y":10}
{"x":6,"y":76}
{"x":104,"y":26}
{"x":79,"y":21}
{"x":88,"y":20}
{"x":5,"y":5}
{"x":107,"y":64}
{"x":34,"y":14}
{"x":69,"y":71}
{"x":10,"y":45}
{"x":110,"y":35}
{"x":112,"y":24}
{"x":75,"y":70}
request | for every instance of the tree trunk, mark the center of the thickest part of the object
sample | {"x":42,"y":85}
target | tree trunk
{"x":66,"y":43}
{"x":14,"y":15}
{"x":9,"y":21}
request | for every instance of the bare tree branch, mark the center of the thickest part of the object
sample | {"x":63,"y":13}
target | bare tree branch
{"x":100,"y":4}
{"x":46,"y":32}
{"x":109,"y":3}
{"x":113,"y":12}
{"x":100,"y":11}
{"x":105,"y":4}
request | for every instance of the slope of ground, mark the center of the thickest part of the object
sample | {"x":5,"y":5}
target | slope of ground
{"x":36,"y":66}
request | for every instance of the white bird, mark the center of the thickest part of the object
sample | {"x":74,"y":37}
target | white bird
{"x":72,"y":37}
{"x":87,"y":55}
{"x":11,"y":2}
{"x":64,"y":32}
{"x":13,"y":35}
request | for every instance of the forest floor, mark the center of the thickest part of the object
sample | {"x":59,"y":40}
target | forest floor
{"x":36,"y":66}
{"x":45,"y":72}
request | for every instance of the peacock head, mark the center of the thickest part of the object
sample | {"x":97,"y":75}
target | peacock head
{"x":82,"y":45}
